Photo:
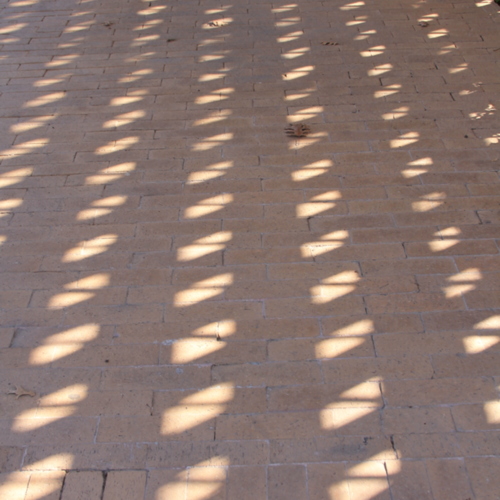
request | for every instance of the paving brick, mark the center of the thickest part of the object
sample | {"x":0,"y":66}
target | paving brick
{"x":449,"y":479}
{"x":182,"y":280}
{"x":408,"y":479}
{"x":83,"y":484}
{"x":286,"y":481}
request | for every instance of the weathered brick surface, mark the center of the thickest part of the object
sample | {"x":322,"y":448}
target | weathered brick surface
{"x":196,"y":305}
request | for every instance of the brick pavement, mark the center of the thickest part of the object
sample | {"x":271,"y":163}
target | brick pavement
{"x":209,"y":309}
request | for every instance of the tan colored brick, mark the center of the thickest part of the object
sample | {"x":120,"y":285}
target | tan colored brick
{"x":210,"y":453}
{"x":155,"y":378}
{"x":83,"y":485}
{"x":122,"y":484}
{"x":46,"y":431}
{"x":329,"y":449}
{"x":292,"y":307}
{"x":437,"y":391}
{"x":246,"y":483}
{"x":166,"y":483}
{"x":412,"y":302}
{"x":327,"y":480}
{"x":212,"y":351}
{"x":373,"y":369}
{"x":484,"y":480}
{"x":480,"y":417}
{"x":448,"y":479}
{"x":46,"y":485}
{"x":341,"y":326}
{"x":408,"y":479}
{"x":430,"y":265}
{"x":268,"y":374}
{"x":482,"y":364}
{"x":310,"y":349}
{"x":286,"y":482}
{"x":420,"y":420}
{"x":14,"y":485}
{"x":100,"y":456}
{"x":319,"y":396}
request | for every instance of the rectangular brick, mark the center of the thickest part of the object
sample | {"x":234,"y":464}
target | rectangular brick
{"x":177,"y":454}
{"x":268,"y":374}
{"x":437,"y":391}
{"x":319,"y":396}
{"x":329,"y":449}
{"x":286,"y":482}
{"x":448,"y":478}
{"x":412,"y":302}
{"x":83,"y":484}
{"x":120,"y":484}
{"x":373,"y":369}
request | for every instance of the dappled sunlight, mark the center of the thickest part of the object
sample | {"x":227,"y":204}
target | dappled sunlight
{"x":90,"y":248}
{"x":210,"y":172}
{"x":438,"y":33}
{"x":214,"y":96}
{"x":62,"y":300}
{"x":125,"y":119}
{"x":492,"y":412}
{"x":296,"y":97}
{"x":462,"y":282}
{"x":290,"y":37}
{"x":306,"y":142}
{"x":475,"y":344}
{"x":488,"y":111}
{"x":388,"y":91}
{"x":63,"y":344}
{"x":204,"y":246}
{"x":357,"y":21}
{"x":333,"y":419}
{"x":212,"y":142}
{"x":12,"y":28}
{"x":417,"y":167}
{"x":196,"y":409}
{"x":361,"y":327}
{"x":208,"y":206}
{"x":102,"y":207}
{"x":367,"y":480}
{"x":44,"y":100}
{"x":14,"y":177}
{"x":319,"y":203}
{"x":404,"y":140}
{"x":377,"y":50}
{"x":365,"y":394}
{"x":335,"y":286}
{"x":305,"y":114}
{"x":298,"y":73}
{"x":380,"y":69}
{"x":118,"y":145}
{"x":23,"y":149}
{"x":203,"y":290}
{"x":295,"y":53}
{"x":325,"y":244}
{"x":492,"y":323}
{"x":352,"y":5}
{"x":51,"y":408}
{"x":31,"y":124}
{"x":396,"y":113}
{"x":218,"y":329}
{"x":92,"y":282}
{"x":214,"y":117}
{"x":191,"y":350}
{"x":287,"y":21}
{"x":336,"y":347}
{"x":10,"y":203}
{"x":365,"y":35}
{"x":113,"y":173}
